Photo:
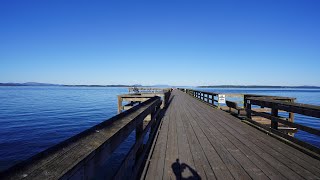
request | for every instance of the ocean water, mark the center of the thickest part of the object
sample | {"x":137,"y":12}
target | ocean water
{"x":33,"y":119}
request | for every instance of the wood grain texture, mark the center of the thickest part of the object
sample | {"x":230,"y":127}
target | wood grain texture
{"x":212,"y":144}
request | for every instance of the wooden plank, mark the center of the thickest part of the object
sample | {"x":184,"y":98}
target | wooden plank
{"x":196,"y":150}
{"x":185,"y":155}
{"x":156,"y":167}
{"x":218,"y":126}
{"x":241,"y":158}
{"x":254,"y":135}
{"x":218,"y":166}
{"x":203,"y":147}
{"x":301,"y":155}
{"x":220,"y":143}
{"x":172,"y":149}
{"x":278,"y":155}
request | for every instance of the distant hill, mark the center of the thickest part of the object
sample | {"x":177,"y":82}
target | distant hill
{"x":159,"y":85}
{"x":48,"y":84}
{"x":39,"y":84}
{"x":97,"y":85}
{"x":258,"y":86}
{"x":28,"y":84}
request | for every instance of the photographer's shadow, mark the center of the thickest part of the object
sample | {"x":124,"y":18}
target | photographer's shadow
{"x":178,"y":169}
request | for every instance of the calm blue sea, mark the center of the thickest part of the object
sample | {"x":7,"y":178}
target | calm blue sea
{"x":35,"y":118}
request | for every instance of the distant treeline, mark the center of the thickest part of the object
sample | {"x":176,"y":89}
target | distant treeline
{"x":98,"y":86}
{"x":253,"y":86}
{"x":45,"y":84}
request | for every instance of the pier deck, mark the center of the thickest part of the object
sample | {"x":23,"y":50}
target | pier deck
{"x":198,"y":141}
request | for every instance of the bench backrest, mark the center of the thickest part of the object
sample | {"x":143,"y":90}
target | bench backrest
{"x":232,"y":104}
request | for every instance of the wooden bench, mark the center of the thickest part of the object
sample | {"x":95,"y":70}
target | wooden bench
{"x":234,"y":105}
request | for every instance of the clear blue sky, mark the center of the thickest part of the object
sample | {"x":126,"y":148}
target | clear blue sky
{"x":261,"y":42}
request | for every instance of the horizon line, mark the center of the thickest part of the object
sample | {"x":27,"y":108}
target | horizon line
{"x":166,"y":85}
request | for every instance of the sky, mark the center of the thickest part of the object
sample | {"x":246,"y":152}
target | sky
{"x":175,"y":42}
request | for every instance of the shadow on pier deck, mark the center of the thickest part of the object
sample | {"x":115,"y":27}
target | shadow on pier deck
{"x":196,"y":141}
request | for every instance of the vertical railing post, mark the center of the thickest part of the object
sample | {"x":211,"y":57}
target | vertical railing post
{"x":153,"y":126}
{"x":212,"y":99}
{"x":244,"y":101}
{"x":274,"y":112}
{"x":291,"y":114}
{"x":248,"y":109}
{"x":139,"y":131}
{"x":119,"y":104}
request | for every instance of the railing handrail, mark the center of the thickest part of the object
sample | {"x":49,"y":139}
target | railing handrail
{"x":97,"y":142}
{"x":271,"y":97}
{"x":244,"y":94}
{"x":299,"y":108}
{"x":204,"y":92}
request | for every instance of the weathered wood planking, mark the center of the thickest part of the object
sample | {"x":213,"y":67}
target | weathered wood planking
{"x":216,"y":145}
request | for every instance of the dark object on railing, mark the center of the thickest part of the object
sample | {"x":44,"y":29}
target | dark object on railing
{"x":135,"y":90}
{"x":290,"y":107}
{"x":82,"y":156}
{"x":234,"y":105}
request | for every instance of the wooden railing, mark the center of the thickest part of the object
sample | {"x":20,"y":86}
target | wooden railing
{"x":208,"y":97}
{"x":278,"y":98}
{"x":84,"y":155}
{"x":147,"y":90}
{"x":276,"y":104}
{"x":290,"y":107}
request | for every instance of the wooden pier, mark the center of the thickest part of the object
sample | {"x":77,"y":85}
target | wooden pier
{"x":141,"y":95}
{"x":188,"y":138}
{"x":196,"y":140}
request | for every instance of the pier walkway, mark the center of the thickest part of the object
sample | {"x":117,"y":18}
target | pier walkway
{"x":196,"y":141}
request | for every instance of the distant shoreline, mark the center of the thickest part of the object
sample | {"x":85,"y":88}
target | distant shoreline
{"x":265,"y":87}
{"x":24,"y":85}
{"x":34,"y":84}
